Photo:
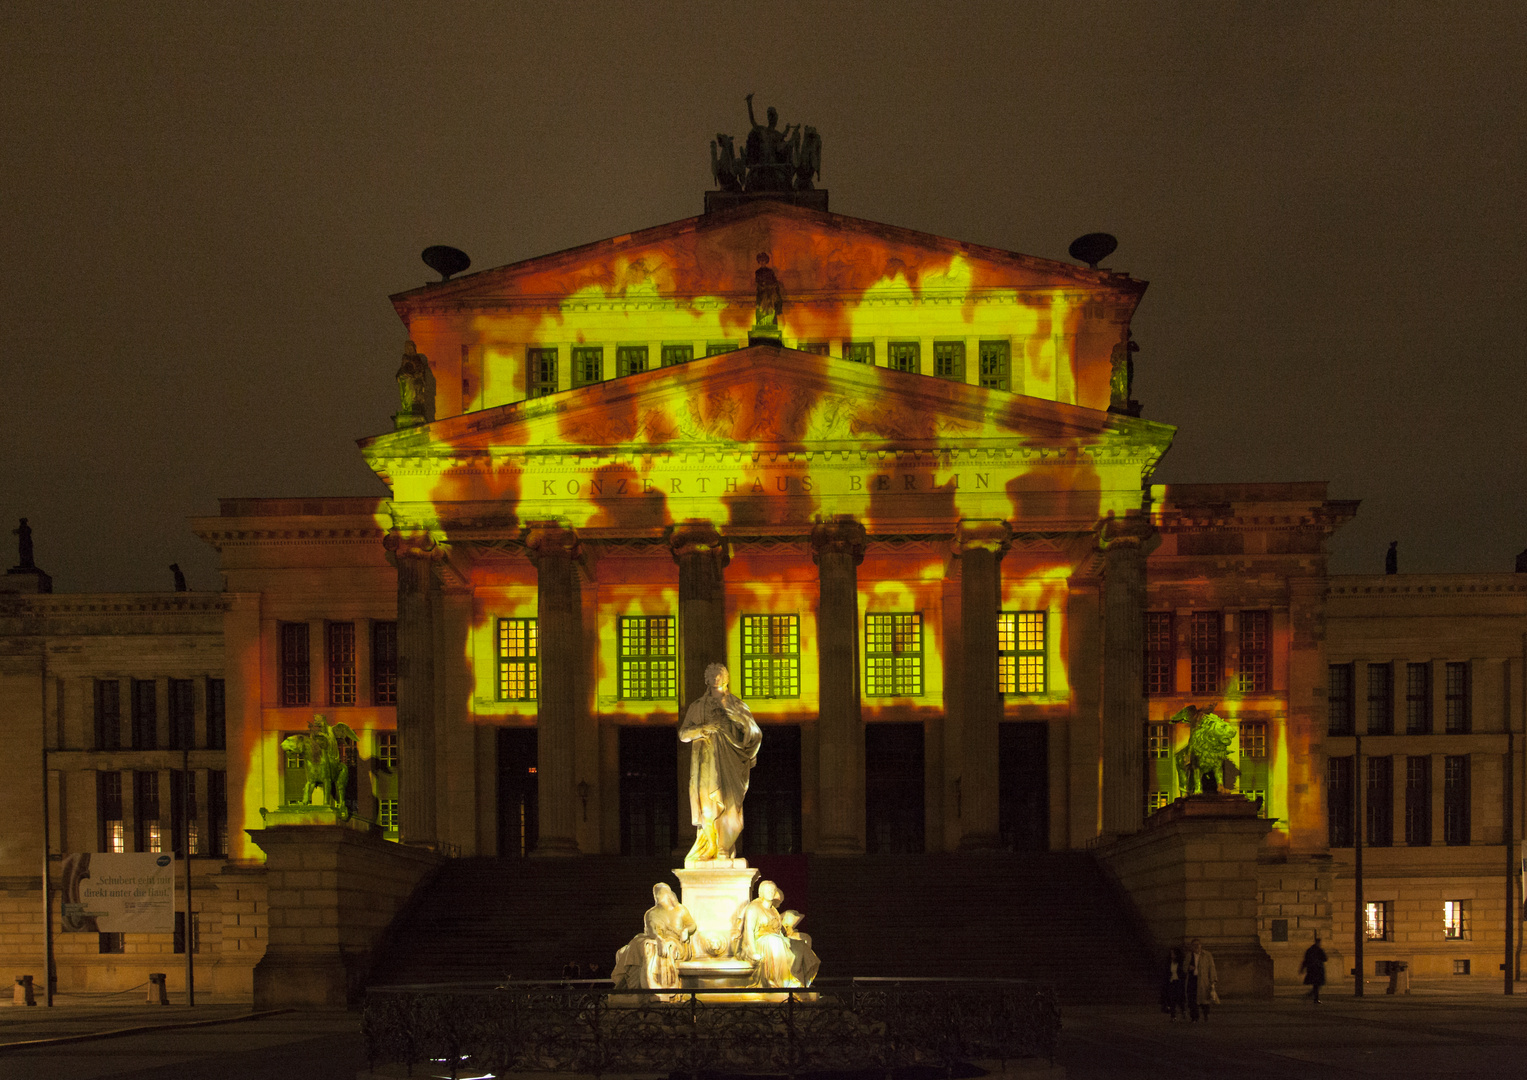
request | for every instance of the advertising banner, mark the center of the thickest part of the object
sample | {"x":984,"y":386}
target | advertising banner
{"x":115,"y":894}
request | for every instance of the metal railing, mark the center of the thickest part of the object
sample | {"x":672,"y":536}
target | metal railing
{"x":588,"y":1027}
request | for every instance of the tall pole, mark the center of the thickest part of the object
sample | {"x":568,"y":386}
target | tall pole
{"x":185,"y":832}
{"x":47,"y":868}
{"x":1509,"y":833}
{"x":1360,"y":931}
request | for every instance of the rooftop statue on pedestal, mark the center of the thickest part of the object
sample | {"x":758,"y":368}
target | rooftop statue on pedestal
{"x":782,"y":163}
{"x":768,"y":305}
{"x":723,"y":742}
{"x":416,"y":390}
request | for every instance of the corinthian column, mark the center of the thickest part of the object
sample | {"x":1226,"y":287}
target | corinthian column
{"x":702,"y":558}
{"x":837,"y":546}
{"x":980,"y":546}
{"x":554,"y":551}
{"x":412,"y":554}
{"x":1125,"y":543}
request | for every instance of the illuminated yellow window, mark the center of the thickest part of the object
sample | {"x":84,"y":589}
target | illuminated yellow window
{"x":1155,"y":800}
{"x":1158,"y":740}
{"x":949,"y":360}
{"x":387,"y":814}
{"x":1455,"y":919}
{"x":996,"y":364}
{"x":630,"y":360}
{"x":1253,"y":738}
{"x":904,"y":356}
{"x":1021,"y":652}
{"x":1378,"y":920}
{"x":647,"y":663}
{"x":893,"y":654}
{"x":771,"y":656}
{"x":540,"y":372}
{"x":860,"y":352}
{"x":518,"y":665}
{"x":677,"y":354}
{"x":588,"y":364}
{"x":387,"y":749}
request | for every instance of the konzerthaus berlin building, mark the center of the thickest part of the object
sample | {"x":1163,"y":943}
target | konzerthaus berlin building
{"x":917,"y":522}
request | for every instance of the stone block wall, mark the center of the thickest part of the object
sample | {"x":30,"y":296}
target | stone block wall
{"x":1298,"y":892}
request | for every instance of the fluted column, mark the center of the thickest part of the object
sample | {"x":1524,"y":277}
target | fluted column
{"x":1125,"y":543}
{"x":554,"y":551}
{"x":702,"y":557}
{"x":838,"y":547}
{"x":413,"y":553}
{"x":980,"y":546}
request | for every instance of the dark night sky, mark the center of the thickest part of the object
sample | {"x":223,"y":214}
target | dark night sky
{"x":206,"y":206}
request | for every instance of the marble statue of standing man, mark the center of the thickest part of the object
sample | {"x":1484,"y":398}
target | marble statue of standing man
{"x":723,"y":742}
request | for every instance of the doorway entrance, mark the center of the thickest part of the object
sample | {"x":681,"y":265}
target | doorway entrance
{"x":772,"y":812}
{"x":1023,"y":786}
{"x":516,"y":791}
{"x":649,"y":790}
{"x":893,"y":789}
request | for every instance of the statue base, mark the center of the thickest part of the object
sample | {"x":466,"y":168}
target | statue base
{"x":815,"y":199}
{"x":714,"y":892}
{"x":296,"y":814}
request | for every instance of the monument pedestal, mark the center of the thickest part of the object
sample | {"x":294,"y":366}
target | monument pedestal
{"x":714,"y":893}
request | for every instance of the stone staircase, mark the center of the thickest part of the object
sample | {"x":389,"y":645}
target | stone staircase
{"x":1051,"y":917}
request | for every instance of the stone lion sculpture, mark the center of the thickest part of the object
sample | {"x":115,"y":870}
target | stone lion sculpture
{"x":1209,"y":741}
{"x":324,"y":762}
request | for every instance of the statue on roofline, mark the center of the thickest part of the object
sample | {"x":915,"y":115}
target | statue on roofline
{"x":416,"y":389}
{"x":771,"y":158}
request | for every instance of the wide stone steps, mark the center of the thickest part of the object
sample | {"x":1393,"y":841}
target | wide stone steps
{"x":1046,"y":916}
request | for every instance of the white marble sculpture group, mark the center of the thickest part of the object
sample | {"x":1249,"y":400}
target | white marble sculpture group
{"x":720,"y":935}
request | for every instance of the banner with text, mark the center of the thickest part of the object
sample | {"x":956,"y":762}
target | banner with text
{"x":114,"y":894}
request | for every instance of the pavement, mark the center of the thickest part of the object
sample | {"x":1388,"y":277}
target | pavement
{"x":1431,"y":1033}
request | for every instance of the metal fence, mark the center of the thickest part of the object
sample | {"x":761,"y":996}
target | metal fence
{"x":586,"y":1027}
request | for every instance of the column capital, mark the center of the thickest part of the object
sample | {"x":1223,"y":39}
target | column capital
{"x":839,"y":535}
{"x":983,"y":534}
{"x":697,"y":538}
{"x":412,"y":543}
{"x":550,"y":539}
{"x":1128,"y":532}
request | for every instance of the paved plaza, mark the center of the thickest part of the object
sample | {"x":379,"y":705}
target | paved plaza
{"x":1429,"y":1034}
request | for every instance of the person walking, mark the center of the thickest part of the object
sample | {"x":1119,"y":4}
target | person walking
{"x":1172,"y":998}
{"x":1202,"y":980}
{"x":1314,"y":967}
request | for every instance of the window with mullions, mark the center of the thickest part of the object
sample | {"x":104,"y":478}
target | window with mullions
{"x":949,"y":360}
{"x":860,"y":352}
{"x":996,"y":359}
{"x":1340,"y":803}
{"x":1458,"y":720}
{"x":1418,"y":699}
{"x":771,"y":656}
{"x":1158,"y":740}
{"x":1255,"y":675}
{"x":1380,"y":699}
{"x":1455,"y":799}
{"x":1206,"y":652}
{"x":1253,"y":738}
{"x":893,"y":654}
{"x":540,"y":372}
{"x":108,"y":714}
{"x":904,"y":356}
{"x":720,"y":348}
{"x":340,"y":646}
{"x":677,"y":354}
{"x":518,"y":665}
{"x":1339,"y":700}
{"x":1160,"y":653}
{"x":217,"y":715}
{"x":181,"y":707}
{"x":145,"y":704}
{"x":1455,"y":920}
{"x":816,"y":348}
{"x":387,"y":749}
{"x":1155,"y":800}
{"x":588,"y":364}
{"x":1021,"y":652}
{"x":630,"y":360}
{"x":294,"y":664}
{"x":647,"y":663}
{"x":384,"y":663}
{"x":1378,"y":919}
{"x":1418,"y":800}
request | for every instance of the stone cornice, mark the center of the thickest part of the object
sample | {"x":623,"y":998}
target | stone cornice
{"x":111,"y":603}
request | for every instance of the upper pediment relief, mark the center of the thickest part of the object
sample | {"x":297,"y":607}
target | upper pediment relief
{"x":776,"y":399}
{"x":817,"y":255}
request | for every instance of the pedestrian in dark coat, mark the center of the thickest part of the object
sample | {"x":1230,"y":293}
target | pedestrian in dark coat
{"x":1314,"y":967}
{"x":1173,"y":985}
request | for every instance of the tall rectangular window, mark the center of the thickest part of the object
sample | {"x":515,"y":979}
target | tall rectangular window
{"x":630,"y":360}
{"x":145,"y":715}
{"x":893,"y":654}
{"x":677,"y":354}
{"x":771,"y":656}
{"x":996,"y":360}
{"x":1380,"y":699}
{"x":1418,"y":800}
{"x":217,"y":810}
{"x":340,"y":646}
{"x":1255,"y":675}
{"x":108,"y":714}
{"x":147,"y":831}
{"x":949,"y":360}
{"x":648,"y":663}
{"x":1206,"y":652}
{"x":540,"y":372}
{"x":1021,"y":652}
{"x":387,"y":749}
{"x":1254,"y":739}
{"x":182,"y":707}
{"x":108,"y":809}
{"x":1378,"y":920}
{"x":860,"y":352}
{"x":518,"y":660}
{"x":1340,"y":804}
{"x":1455,"y":799}
{"x":1378,"y":806}
{"x":1459,"y":720}
{"x":384,"y":663}
{"x":1418,"y":699}
{"x":217,"y":715}
{"x":1158,"y":741}
{"x":185,"y":812}
{"x":904,"y":356}
{"x":1455,"y":920}
{"x":588,"y":364}
{"x":1340,"y":718}
{"x":1160,"y":653}
{"x":294,"y":664}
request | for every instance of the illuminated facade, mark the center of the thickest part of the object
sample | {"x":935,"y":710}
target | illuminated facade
{"x":919,"y":528}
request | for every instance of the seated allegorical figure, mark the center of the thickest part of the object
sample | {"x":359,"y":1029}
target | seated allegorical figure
{"x":650,"y":961}
{"x":804,"y":964}
{"x":762,"y":940}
